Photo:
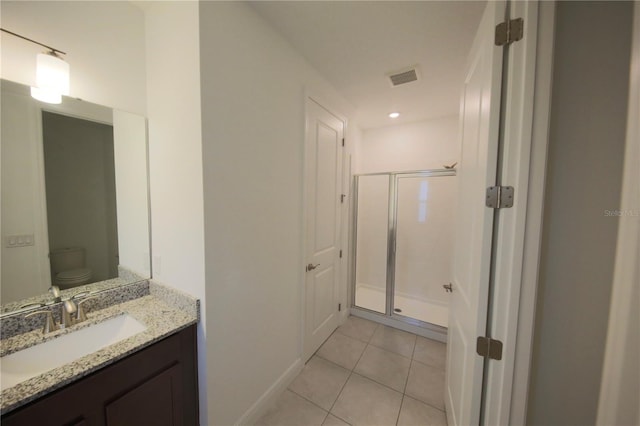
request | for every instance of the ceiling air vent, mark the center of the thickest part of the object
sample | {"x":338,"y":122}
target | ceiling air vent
{"x":403,"y":77}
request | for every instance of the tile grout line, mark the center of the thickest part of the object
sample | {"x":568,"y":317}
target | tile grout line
{"x":351,"y":373}
{"x":429,"y":365}
{"x":404,"y":392}
{"x":354,"y":338}
{"x":415,"y":345}
{"x":413,"y":397}
{"x":400,"y":410}
{"x":421,"y":363}
{"x":308,"y":400}
{"x":387,"y":350}
{"x":413,"y":351}
{"x":334,"y":363}
{"x":374,"y":380}
{"x":331,"y":362}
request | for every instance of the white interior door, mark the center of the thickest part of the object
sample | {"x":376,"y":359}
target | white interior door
{"x":480,"y":120}
{"x":323,"y":191}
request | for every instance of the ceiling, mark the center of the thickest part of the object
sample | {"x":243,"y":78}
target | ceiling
{"x":355,"y":44}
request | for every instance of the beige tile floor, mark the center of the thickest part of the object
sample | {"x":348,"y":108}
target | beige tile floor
{"x":366,"y":374}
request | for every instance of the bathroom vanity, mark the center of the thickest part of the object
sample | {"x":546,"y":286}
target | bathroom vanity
{"x":155,"y":386}
{"x":149,"y":377}
{"x":86,"y":339}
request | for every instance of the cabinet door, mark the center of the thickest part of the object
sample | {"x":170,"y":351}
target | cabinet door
{"x":157,"y":401}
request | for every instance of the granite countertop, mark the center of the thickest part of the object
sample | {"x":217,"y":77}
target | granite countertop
{"x":162,"y":310}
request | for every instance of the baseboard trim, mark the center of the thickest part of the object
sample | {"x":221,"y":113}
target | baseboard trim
{"x":260,"y":407}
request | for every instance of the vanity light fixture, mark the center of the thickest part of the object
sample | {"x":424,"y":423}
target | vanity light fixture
{"x":52,"y":73}
{"x":394,"y":115}
{"x":52,"y":78}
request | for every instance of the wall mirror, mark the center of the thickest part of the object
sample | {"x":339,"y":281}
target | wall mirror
{"x":75,"y":197}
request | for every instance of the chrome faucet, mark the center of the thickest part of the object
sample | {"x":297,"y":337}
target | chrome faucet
{"x":55,"y":291}
{"x":74,"y":312}
{"x":69,"y":308}
{"x":49,"y":322}
{"x":81,"y":314}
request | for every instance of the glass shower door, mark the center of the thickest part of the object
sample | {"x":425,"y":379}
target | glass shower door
{"x":423,"y":246}
{"x":372,"y":235}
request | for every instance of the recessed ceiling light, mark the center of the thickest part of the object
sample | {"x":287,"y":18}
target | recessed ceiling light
{"x":394,"y":115}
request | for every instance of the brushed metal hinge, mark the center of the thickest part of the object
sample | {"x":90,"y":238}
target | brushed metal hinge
{"x":340,"y":254}
{"x":489,"y":348}
{"x":339,"y":307}
{"x":342,"y":197}
{"x":500,"y":197}
{"x":509,"y":31}
{"x":342,"y":141}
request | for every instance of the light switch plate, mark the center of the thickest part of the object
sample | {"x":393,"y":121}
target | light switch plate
{"x":12,"y":241}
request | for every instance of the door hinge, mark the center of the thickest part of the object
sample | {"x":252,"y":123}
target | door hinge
{"x":339,"y":307}
{"x":340,"y":254}
{"x":500,"y":197}
{"x":509,"y":31}
{"x":342,"y":197}
{"x":489,"y":348}
{"x":342,"y":141}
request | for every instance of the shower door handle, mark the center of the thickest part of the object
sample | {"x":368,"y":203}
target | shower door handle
{"x":448,"y":288}
{"x":311,"y":267}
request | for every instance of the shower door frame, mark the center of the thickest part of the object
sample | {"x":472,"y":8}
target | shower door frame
{"x":392,"y":226}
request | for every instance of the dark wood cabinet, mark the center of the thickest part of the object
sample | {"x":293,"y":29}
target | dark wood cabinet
{"x":155,"y":386}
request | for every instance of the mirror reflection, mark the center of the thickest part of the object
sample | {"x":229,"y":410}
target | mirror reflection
{"x":74,"y":197}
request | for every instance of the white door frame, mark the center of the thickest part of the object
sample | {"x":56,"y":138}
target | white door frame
{"x":528,"y":91}
{"x":329,"y":106}
{"x":525,"y":140}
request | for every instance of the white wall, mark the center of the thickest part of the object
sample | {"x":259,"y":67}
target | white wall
{"x":584,"y":172}
{"x":253,"y":86}
{"x":414,"y":146}
{"x":620,"y":385}
{"x":104,"y":41}
{"x":175,"y":157}
{"x":25,"y":270}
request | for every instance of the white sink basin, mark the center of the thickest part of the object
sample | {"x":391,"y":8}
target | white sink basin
{"x":35,"y":360}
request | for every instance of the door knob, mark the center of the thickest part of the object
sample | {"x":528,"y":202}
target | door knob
{"x":448,"y":288}
{"x":311,"y":267}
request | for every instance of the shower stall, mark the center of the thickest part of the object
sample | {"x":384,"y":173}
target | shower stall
{"x":403,"y":225}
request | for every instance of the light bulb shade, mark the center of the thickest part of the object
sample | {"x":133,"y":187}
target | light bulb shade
{"x":47,"y":96}
{"x":52,"y":78}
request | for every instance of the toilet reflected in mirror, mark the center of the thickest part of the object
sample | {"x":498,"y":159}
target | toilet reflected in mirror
{"x":68,"y":267}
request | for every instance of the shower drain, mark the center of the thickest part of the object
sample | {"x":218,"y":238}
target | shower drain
{"x":397,"y":310}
